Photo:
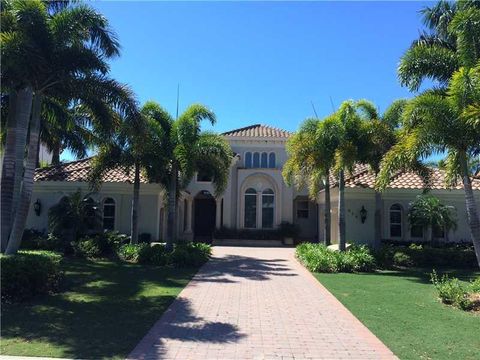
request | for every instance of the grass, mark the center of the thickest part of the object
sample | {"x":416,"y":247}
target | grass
{"x":401,"y":308}
{"x":105,"y":310}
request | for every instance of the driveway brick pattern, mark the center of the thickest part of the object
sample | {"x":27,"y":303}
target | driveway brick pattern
{"x":257,"y":303}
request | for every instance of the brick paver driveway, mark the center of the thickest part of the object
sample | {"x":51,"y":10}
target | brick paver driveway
{"x":257,"y":303}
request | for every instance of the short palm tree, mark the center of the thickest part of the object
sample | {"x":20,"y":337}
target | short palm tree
{"x":191,"y":151}
{"x":138,"y":146}
{"x":311,"y":159}
{"x":428,"y":212}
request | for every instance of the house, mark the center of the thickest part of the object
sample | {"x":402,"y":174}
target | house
{"x":256,"y":197}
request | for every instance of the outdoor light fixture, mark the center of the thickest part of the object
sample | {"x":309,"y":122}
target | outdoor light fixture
{"x":363,"y":214}
{"x":37,"y":207}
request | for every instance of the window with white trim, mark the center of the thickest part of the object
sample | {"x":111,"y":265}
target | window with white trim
{"x":302,"y":209}
{"x":268,"y":208}
{"x":108,"y":214}
{"x":250,"y":221}
{"x":396,"y":216}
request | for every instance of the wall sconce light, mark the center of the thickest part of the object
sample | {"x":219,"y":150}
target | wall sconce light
{"x":37,"y":207}
{"x":363,"y":214}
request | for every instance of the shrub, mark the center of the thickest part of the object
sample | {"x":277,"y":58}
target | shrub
{"x":189,"y":254}
{"x":29,"y":273}
{"x":92,"y":247}
{"x":116,"y":239}
{"x":451,"y":291}
{"x":475,"y":285}
{"x":154,"y":255}
{"x":402,"y":259}
{"x":130,"y":252}
{"x":318,"y":258}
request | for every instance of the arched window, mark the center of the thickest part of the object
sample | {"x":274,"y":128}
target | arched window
{"x":108,"y":214}
{"x":396,"y":221}
{"x":268,"y":206}
{"x":248,"y":160}
{"x":264,"y":160}
{"x":256,"y":160}
{"x":250,"y":208}
{"x":271,"y":160}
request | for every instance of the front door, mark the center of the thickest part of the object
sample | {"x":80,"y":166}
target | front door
{"x":204,"y":221}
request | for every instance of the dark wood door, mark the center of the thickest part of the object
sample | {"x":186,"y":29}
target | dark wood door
{"x":204,"y":217}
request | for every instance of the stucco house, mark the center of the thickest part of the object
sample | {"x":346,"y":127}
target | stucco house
{"x":256,"y":197}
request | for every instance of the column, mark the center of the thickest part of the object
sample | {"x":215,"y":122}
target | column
{"x":218,"y":213}
{"x":188,"y":228}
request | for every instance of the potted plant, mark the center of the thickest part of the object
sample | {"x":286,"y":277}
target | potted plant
{"x":288,"y":231}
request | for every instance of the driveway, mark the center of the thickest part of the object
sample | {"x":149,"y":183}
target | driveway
{"x":257,"y":303}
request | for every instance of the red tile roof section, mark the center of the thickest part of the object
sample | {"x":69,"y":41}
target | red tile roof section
{"x":79,"y":171}
{"x":258,"y":130}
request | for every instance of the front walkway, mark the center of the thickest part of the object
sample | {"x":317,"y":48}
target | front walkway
{"x":257,"y":303}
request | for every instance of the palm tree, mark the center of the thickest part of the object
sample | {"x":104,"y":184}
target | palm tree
{"x":139,"y":145}
{"x":311,"y":156}
{"x":351,"y":142}
{"x":380,"y":136}
{"x":446,"y":119}
{"x":436,"y":54}
{"x":52,"y":54}
{"x":192,"y":150}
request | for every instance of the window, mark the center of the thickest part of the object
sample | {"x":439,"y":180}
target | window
{"x":268,"y":204}
{"x":203,"y":176}
{"x":250,"y":209}
{"x":256,"y":160}
{"x":302,"y":209}
{"x":108,"y":214}
{"x":438,"y":232}
{"x":248,"y":160}
{"x":264,"y":160}
{"x":271,"y":160}
{"x":396,"y":220}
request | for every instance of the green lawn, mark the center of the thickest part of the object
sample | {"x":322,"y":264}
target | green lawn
{"x":401,"y":308}
{"x":105,"y":311}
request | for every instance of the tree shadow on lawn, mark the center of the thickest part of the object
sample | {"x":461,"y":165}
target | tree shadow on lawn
{"x":225,"y":269}
{"x":105,"y":311}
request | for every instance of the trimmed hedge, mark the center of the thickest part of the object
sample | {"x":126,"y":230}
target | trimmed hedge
{"x":29,"y":273}
{"x":183,"y":254}
{"x":318,"y":258}
{"x":426,"y":256}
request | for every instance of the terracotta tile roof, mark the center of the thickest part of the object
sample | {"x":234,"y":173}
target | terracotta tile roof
{"x":362,"y":177}
{"x":258,"y":130}
{"x":79,"y":170}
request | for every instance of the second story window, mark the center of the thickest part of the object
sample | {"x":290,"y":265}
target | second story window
{"x":262,"y":160}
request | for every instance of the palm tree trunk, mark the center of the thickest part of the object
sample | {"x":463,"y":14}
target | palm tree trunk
{"x":20,"y":104}
{"x":27,"y":184}
{"x":341,"y":211}
{"x":56,"y":155}
{"x":472,"y":211}
{"x":328,"y":216}
{"x":172,"y":199}
{"x":136,"y":193}
{"x":378,"y":220}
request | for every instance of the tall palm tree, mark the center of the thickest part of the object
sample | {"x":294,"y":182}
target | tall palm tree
{"x":438,"y":121}
{"x":53,"y":54}
{"x":436,"y":54}
{"x":446,"y":119}
{"x":138,"y":145}
{"x":311,"y":157}
{"x":192,"y":150}
{"x":379,"y":135}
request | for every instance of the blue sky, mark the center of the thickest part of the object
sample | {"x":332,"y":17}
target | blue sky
{"x":262,"y":62}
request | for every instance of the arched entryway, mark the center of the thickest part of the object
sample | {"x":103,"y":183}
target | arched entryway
{"x":204,"y":216}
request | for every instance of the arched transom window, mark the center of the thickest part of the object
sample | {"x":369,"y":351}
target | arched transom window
{"x":260,"y":160}
{"x":108,"y":214}
{"x":396,"y":220}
